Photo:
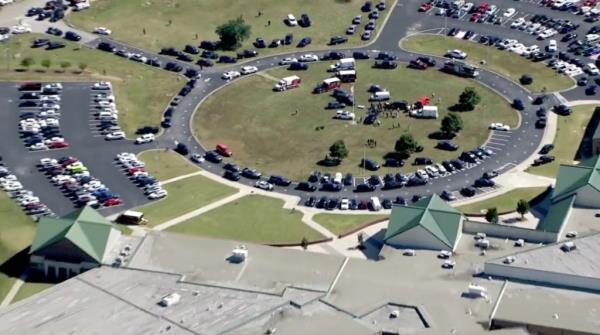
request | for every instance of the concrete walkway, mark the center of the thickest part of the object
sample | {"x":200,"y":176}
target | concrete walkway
{"x":174,"y":179}
{"x":10,"y":296}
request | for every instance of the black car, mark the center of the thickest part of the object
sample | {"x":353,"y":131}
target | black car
{"x":184,"y":57}
{"x":182,"y":149}
{"x":447,"y":145}
{"x":518,"y":104}
{"x":468,"y":191}
{"x":209,"y":45}
{"x":386,"y":204}
{"x":415,"y":181}
{"x":166,"y":122}
{"x":247,"y":53}
{"x":191,"y":49}
{"x":393,"y":162}
{"x":260,"y":43}
{"x":209,"y":54}
{"x":147,"y":130}
{"x":400,"y":201}
{"x":304,"y":21}
{"x":310,"y":202}
{"x":231,"y":175}
{"x":190,"y":73}
{"x":541,"y":112}
{"x":307,"y":187}
{"x":72,"y":36}
{"x":331,"y":187}
{"x":360,"y":55}
{"x":544,"y":159}
{"x":213,"y":156}
{"x":422,"y":161}
{"x":562,"y":110}
{"x":322,"y":203}
{"x":232,"y":167}
{"x":33,"y":11}
{"x":251,"y":173}
{"x":297,"y":66}
{"x":365,"y":187}
{"x":468,"y":157}
{"x":484,"y":182}
{"x":448,"y":166}
{"x":366,"y":7}
{"x":227,"y":59}
{"x":385,"y":64}
{"x":204,"y":62}
{"x":279,"y":181}
{"x":170,"y":52}
{"x":546,"y":149}
{"x":30,"y":95}
{"x":275,"y":43}
{"x":105,"y":46}
{"x":54,"y":31}
{"x":369,"y":164}
{"x":490,"y":175}
{"x":29,"y":103}
{"x":173,"y":67}
{"x":453,"y":31}
{"x":338,"y":40}
{"x":385,"y":56}
{"x":458,"y":165}
{"x":288,"y":39}
{"x":40,"y":42}
{"x":427,"y":60}
{"x":304,"y":42}
{"x":590,"y":90}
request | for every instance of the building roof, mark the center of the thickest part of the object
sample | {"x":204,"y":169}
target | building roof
{"x":571,"y":178}
{"x":85,"y":228}
{"x":557,"y":215}
{"x":431,"y":213}
{"x":596,"y":134}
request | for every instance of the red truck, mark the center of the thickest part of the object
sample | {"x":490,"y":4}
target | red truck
{"x":223,"y":150}
{"x":287,"y":83}
{"x":328,"y":85}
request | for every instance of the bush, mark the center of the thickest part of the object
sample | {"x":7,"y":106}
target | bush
{"x":406,"y":145}
{"x":232,"y":33}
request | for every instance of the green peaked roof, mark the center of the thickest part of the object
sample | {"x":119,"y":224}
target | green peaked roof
{"x":557,"y":214}
{"x":431,"y":213}
{"x":571,"y":178}
{"x":85,"y":228}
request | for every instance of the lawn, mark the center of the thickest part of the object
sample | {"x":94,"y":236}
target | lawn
{"x":277,"y":132}
{"x":16,"y":234}
{"x":504,"y":203}
{"x":506,"y":63}
{"x":569,"y":134}
{"x":141,"y":92}
{"x":342,"y":223}
{"x":185,"y":196}
{"x":29,"y":288}
{"x":166,"y":164}
{"x":253,"y":218}
{"x":176,"y":23}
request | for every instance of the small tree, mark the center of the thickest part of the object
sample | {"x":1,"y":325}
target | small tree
{"x":361,"y":240}
{"x":46,"y":63}
{"x":304,"y":243}
{"x":491,"y":215}
{"x":27,"y":62}
{"x":65,"y":65}
{"x":406,"y":145}
{"x":522,"y":207}
{"x":468,"y":99}
{"x":232,"y":33}
{"x":338,"y":150}
{"x":82,"y":66}
{"x":452,"y":124}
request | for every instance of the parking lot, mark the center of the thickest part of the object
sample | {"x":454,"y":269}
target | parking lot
{"x":92,"y":150}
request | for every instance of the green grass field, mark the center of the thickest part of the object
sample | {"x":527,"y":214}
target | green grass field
{"x":506,"y":63}
{"x":185,"y":196}
{"x":342,"y":223}
{"x":192,"y":21}
{"x":264,"y":131}
{"x":253,"y":218}
{"x":504,"y":203}
{"x":28,"y":289}
{"x":16,"y":234}
{"x":166,"y":164}
{"x":141,"y":92}
{"x":569,"y":134}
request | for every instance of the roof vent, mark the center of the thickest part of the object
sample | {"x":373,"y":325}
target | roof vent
{"x":170,"y":300}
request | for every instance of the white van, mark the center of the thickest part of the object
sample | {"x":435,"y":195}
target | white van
{"x":380,"y":96}
{"x":338,"y":178}
{"x":343,"y":64}
{"x":291,"y":20}
{"x":375,"y":204}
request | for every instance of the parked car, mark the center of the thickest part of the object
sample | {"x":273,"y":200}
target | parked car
{"x":369,"y":164}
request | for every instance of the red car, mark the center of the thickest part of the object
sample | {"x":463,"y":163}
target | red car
{"x":58,"y":145}
{"x":112,"y":202}
{"x":133,"y":170}
{"x":68,"y":161}
{"x":425,"y":7}
{"x":475,"y":17}
{"x":483,"y":7}
{"x":417,"y":64}
{"x":223,"y":150}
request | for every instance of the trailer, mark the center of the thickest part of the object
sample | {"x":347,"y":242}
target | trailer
{"x":343,"y":64}
{"x":287,"y":83}
{"x":346,"y":76}
{"x":132,"y":218}
{"x":427,"y":112}
{"x":328,"y":85}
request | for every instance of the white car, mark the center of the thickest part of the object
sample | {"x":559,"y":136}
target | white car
{"x":467,"y":7}
{"x":249,"y":69}
{"x":456,"y":53}
{"x":117,"y":135}
{"x":38,"y":146}
{"x":263,"y":185}
{"x":422,"y":174}
{"x":592,"y":37}
{"x":592,"y":69}
{"x":48,"y":161}
{"x":530,"y":49}
{"x":291,"y":20}
{"x":309,"y":58}
{"x":53,"y":86}
{"x":158,"y":194}
{"x":104,"y":97}
{"x":5,"y":2}
{"x":517,"y":23}
{"x":229,"y":75}
{"x":571,"y":234}
{"x":499,"y":126}
{"x":55,"y":98}
{"x":448,"y":264}
{"x":146,"y":138}
{"x":547,"y":33}
{"x":552,"y":46}
{"x":409,"y":252}
{"x":197,"y":158}
{"x":102,"y":85}
{"x":345,"y":204}
{"x":509,"y":12}
{"x":20,"y":29}
{"x":49,"y":113}
{"x":344,"y":115}
{"x":14,"y":186}
{"x":288,"y":60}
{"x":102,"y":31}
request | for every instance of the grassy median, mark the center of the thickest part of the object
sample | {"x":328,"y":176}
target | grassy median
{"x":342,"y":223}
{"x":166,"y":164}
{"x":253,"y":218}
{"x":504,"y":203}
{"x":506,"y":63}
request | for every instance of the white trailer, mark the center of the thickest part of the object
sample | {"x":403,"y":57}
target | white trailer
{"x":343,"y":64}
{"x":427,"y":112}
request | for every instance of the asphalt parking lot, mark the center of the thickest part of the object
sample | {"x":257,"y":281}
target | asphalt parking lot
{"x":76,"y":127}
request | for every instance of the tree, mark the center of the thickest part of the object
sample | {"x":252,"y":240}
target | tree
{"x":46,"y":63}
{"x":522,"y":207}
{"x":468,"y":99}
{"x":304,"y":243}
{"x":82,"y":66}
{"x":491,"y":215}
{"x":361,"y":241}
{"x":338,"y":150}
{"x":406,"y":145}
{"x":27,"y":62}
{"x":65,"y":65}
{"x":452,"y":124}
{"x":232,"y":33}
